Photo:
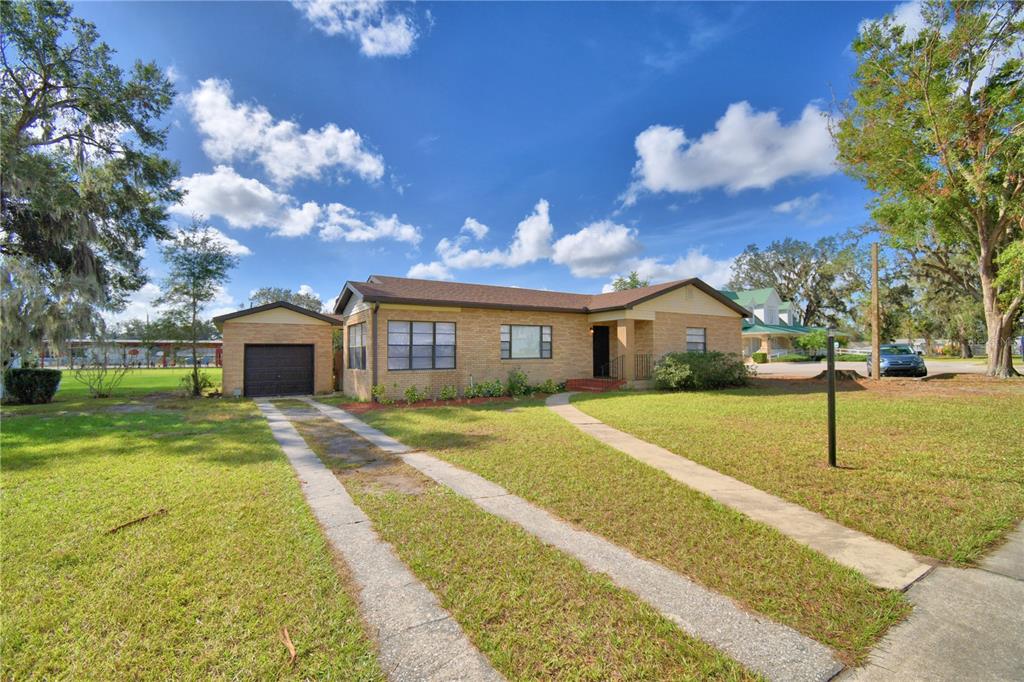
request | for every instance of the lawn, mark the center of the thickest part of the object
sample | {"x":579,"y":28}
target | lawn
{"x":934,"y":467}
{"x":535,"y":612}
{"x":535,"y":454}
{"x":200,"y":591}
{"x":135,"y":382}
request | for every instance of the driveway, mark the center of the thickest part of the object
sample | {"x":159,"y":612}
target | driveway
{"x":810,"y":369}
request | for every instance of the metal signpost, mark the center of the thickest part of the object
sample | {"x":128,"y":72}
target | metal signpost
{"x":831,"y":359}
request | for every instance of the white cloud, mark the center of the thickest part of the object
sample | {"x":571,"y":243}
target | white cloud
{"x":244,"y":203}
{"x":344,"y":223}
{"x":247,"y":203}
{"x":596,"y":250}
{"x":808,"y":209}
{"x":531,"y":242}
{"x":142,"y":304}
{"x":432,"y":270}
{"x":906,"y":14}
{"x":238,"y":131}
{"x":474,"y":228}
{"x":747,"y":149}
{"x":172,"y":73}
{"x":380,"y":31}
{"x":694,"y":264}
{"x":233,"y":246}
{"x":307,"y":290}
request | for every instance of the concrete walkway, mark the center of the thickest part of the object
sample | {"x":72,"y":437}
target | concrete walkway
{"x":883,"y":564}
{"x":966,"y":625}
{"x":416,"y":637}
{"x":776,"y":651}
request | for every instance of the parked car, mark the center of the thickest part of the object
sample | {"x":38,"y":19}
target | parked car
{"x":899,"y":359}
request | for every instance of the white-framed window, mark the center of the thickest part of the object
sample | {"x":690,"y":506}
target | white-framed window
{"x":696,"y":339}
{"x":357,"y":346}
{"x":420,"y":345}
{"x":525,"y":342}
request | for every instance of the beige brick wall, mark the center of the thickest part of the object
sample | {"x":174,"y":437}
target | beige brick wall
{"x":723,"y":333}
{"x":478,"y":350}
{"x":357,"y":382}
{"x":238,"y":333}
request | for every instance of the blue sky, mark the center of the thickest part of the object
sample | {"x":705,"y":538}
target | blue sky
{"x":541,"y":145}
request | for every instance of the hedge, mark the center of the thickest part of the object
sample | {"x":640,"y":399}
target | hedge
{"x":699,"y":371}
{"x":31,"y":386}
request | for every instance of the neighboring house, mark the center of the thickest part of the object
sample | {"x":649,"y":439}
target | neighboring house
{"x":400,"y":332}
{"x":773,"y":324}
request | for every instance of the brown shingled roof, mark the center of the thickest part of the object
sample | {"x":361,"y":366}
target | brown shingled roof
{"x":386,"y":289}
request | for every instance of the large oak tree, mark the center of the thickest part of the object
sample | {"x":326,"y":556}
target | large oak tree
{"x":83,"y":184}
{"x":935,"y":128}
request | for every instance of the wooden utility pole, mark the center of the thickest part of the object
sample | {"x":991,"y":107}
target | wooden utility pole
{"x":876,"y":361}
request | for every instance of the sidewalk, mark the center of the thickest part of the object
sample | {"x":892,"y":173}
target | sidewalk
{"x":966,"y":625}
{"x":882,"y":564}
{"x":776,"y":651}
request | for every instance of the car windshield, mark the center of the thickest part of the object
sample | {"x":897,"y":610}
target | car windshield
{"x":896,"y":350}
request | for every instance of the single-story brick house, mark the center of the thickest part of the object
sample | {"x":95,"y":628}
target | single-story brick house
{"x":399,"y":332}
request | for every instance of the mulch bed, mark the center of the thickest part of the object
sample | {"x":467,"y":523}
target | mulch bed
{"x":363,"y":408}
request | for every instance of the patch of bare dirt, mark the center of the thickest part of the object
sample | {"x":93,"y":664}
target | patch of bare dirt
{"x":353,"y":459}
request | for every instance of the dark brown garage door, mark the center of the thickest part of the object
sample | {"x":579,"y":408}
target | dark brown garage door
{"x":278,"y":370}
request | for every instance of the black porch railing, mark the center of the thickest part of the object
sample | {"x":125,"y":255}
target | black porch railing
{"x":613,"y":369}
{"x":643,"y":365}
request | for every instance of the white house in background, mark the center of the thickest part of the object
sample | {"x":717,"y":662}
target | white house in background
{"x":773,"y":325}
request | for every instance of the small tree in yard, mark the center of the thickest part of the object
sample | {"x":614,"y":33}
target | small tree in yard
{"x":100,"y":376}
{"x":198,"y":264}
{"x":935,"y":128}
{"x":813,"y":342}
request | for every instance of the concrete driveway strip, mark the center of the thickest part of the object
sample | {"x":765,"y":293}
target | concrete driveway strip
{"x":966,"y":625}
{"x":776,"y":651}
{"x":417,"y":638}
{"x":883,"y":564}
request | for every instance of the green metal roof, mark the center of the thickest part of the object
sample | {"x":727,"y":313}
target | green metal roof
{"x":750,"y":297}
{"x":756,"y":328}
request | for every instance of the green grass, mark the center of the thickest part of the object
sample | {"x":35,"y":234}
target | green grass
{"x":936,"y":468}
{"x":535,"y":454}
{"x":135,"y":382}
{"x":535,"y":612}
{"x":337,"y":399}
{"x":198,"y":593}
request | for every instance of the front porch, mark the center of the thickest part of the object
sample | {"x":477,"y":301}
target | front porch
{"x":623,"y":356}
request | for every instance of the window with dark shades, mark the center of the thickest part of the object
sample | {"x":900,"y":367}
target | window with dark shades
{"x":421,"y":345}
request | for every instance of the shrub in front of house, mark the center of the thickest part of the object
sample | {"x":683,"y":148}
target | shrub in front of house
{"x":518,"y":384}
{"x":31,"y":386}
{"x":549,"y":387}
{"x":448,"y":393}
{"x":415,"y":395}
{"x":380,"y":394}
{"x":793,"y":357}
{"x":759,"y":357}
{"x":699,"y":371}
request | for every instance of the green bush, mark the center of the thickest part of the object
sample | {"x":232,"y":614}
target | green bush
{"x":204,"y":383}
{"x":549,"y":387}
{"x":448,"y":393}
{"x":415,"y":395}
{"x":31,"y":386}
{"x":518,"y":384}
{"x":759,"y":357}
{"x":700,"y":371}
{"x":380,"y":394}
{"x":850,"y":357}
{"x":492,"y":389}
{"x":471,"y":391}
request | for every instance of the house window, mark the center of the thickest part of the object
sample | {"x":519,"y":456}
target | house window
{"x":421,"y":345}
{"x":357,"y":346}
{"x":522,"y":342}
{"x":696,"y":339}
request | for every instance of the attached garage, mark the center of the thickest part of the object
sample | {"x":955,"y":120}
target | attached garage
{"x":277,"y":349}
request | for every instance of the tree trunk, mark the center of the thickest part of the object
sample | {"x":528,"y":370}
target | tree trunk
{"x":195,"y":366}
{"x":998,"y":323}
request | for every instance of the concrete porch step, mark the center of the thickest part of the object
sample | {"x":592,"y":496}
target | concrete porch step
{"x":594,"y":384}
